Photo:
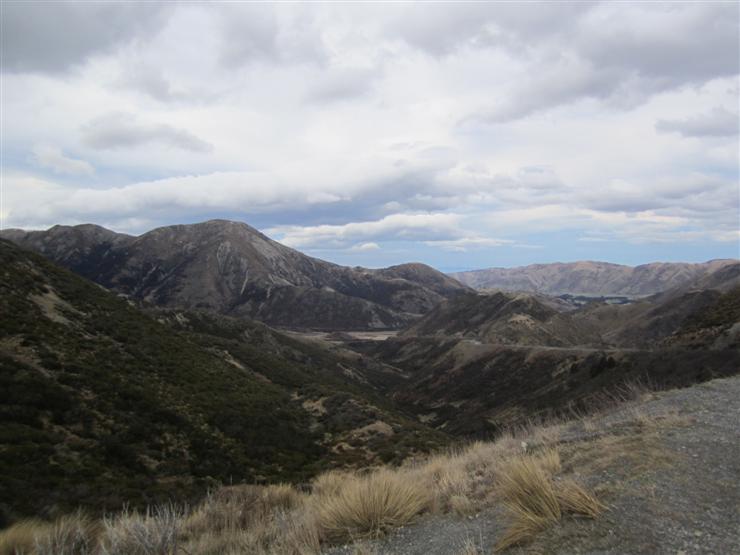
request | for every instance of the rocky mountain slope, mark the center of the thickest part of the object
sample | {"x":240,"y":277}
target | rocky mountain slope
{"x":102,"y":404}
{"x":231,"y":268}
{"x":590,"y":278}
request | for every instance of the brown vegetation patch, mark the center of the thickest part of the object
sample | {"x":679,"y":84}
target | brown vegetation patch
{"x":534,"y":500}
{"x":367,"y":506}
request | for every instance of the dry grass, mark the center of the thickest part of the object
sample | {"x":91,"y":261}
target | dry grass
{"x":534,"y":500}
{"x":330,"y":483}
{"x":470,"y":547}
{"x":73,"y":534}
{"x":156,"y":532}
{"x":252,"y":519}
{"x":20,"y":539}
{"x":520,"y":469}
{"x":652,"y":422}
{"x":240,"y":507}
{"x":342,"y":507}
{"x":574,"y":499}
{"x":525,"y":484}
{"x":462,"y":482}
{"x":367,"y":506}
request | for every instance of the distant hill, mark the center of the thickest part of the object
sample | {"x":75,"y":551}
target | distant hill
{"x":102,"y":404}
{"x":505,"y":318}
{"x":656,"y":318}
{"x":591,"y":278}
{"x":232,"y":268}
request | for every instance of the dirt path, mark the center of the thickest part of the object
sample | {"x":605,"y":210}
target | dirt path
{"x":669,"y":469}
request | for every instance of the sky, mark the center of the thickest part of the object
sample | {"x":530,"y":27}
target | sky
{"x":462,"y":135}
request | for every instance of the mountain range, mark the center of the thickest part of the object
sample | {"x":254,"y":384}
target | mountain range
{"x":590,"y":278}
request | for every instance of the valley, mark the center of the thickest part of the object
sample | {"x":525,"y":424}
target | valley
{"x":140,"y":370}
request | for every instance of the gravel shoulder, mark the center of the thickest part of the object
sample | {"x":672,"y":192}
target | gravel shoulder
{"x":667,"y":467}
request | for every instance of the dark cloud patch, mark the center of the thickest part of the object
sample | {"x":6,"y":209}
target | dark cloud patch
{"x":667,"y":45}
{"x":621,"y":57}
{"x":441,"y":29}
{"x":152,"y":82}
{"x":558,"y":83}
{"x":53,"y":36}
{"x":268,"y":33}
{"x":249,"y":32}
{"x":121,"y":130}
{"x":720,"y":122}
{"x":340,"y":85}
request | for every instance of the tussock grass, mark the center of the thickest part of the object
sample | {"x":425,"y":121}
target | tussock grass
{"x":461,"y":481}
{"x":534,"y":500}
{"x":20,"y":538}
{"x":526,"y":486}
{"x":74,"y":534}
{"x":574,"y":499}
{"x":240,"y":507}
{"x":330,"y":483}
{"x":156,"y":532}
{"x":253,"y":519}
{"x":367,"y":506}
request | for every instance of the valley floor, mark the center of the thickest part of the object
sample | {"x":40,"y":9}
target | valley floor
{"x":668,"y":469}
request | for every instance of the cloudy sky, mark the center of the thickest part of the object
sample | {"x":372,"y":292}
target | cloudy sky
{"x":461,"y":135}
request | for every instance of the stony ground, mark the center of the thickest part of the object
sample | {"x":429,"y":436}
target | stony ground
{"x":668,"y":468}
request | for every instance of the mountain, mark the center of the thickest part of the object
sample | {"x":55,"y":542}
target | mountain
{"x":103,"y":405}
{"x":231,"y":268}
{"x":591,"y":278}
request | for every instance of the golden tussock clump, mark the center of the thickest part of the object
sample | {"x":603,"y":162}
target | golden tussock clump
{"x":368,"y":505}
{"x":534,"y":500}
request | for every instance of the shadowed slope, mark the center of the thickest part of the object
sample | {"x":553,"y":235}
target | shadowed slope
{"x":101,"y":404}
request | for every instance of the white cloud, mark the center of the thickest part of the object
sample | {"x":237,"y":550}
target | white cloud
{"x":396,"y":227}
{"x":52,"y":158}
{"x":337,"y":126}
{"x":465,"y":244}
{"x":364,"y":247}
